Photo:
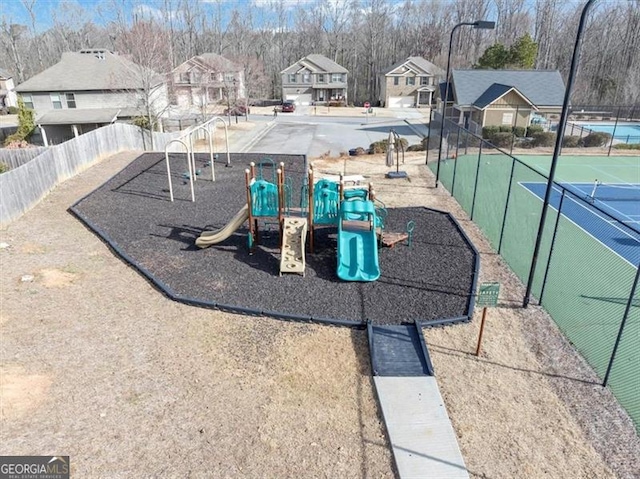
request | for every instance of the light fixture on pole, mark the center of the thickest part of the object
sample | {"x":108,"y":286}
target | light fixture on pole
{"x":556,"y":151}
{"x":481,"y":24}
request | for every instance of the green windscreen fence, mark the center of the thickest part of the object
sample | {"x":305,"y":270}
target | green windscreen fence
{"x":588,"y":260}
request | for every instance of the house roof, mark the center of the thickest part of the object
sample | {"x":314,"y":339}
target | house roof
{"x":215,"y":62}
{"x":442,"y":85}
{"x":416,"y":63}
{"x":73,"y":116}
{"x":317,"y":64}
{"x":540,"y":87}
{"x":89,"y":70}
{"x":494,"y":92}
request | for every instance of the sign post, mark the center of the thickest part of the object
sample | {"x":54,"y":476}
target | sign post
{"x":487,"y":298}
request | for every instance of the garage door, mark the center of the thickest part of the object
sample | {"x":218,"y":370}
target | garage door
{"x":300,"y":99}
{"x":401,"y":101}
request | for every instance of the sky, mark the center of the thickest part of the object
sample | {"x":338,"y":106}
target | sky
{"x":101,"y":11}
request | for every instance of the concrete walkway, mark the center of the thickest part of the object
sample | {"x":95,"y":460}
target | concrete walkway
{"x":422,"y":438}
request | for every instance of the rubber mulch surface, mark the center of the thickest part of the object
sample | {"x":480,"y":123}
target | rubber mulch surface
{"x":132,"y":211}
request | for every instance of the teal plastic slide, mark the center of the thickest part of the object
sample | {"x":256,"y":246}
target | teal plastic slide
{"x":357,"y":244}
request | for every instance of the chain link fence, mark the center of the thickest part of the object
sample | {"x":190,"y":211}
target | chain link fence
{"x":587,"y":274}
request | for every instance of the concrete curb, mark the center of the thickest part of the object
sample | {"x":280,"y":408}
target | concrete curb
{"x":252,"y":140}
{"x":414,"y":129}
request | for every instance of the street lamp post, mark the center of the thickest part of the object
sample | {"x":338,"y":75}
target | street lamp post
{"x":556,"y":151}
{"x":235,"y":99}
{"x":482,"y":24}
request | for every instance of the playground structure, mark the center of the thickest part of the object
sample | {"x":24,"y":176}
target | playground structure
{"x":353,"y":211}
{"x":186,"y":140}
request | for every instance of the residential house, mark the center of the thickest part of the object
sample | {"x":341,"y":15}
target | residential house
{"x":480,"y":98}
{"x":8,"y":96}
{"x":207,"y":79}
{"x":315,"y":79}
{"x":409,"y":83}
{"x":89,"y":89}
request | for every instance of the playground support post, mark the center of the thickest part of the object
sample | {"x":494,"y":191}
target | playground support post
{"x":311,"y":206}
{"x":247,"y":179}
{"x":562,"y":124}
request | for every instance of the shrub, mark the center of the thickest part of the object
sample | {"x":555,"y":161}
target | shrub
{"x":502,"y":139}
{"x":418,"y":147}
{"x":489,"y":131}
{"x":506,"y":129}
{"x":13,"y":139}
{"x":526,"y":144}
{"x":627,"y":146}
{"x":18,"y":144}
{"x":595,"y":139}
{"x":518,"y":131}
{"x":381,"y":146}
{"x":533,"y":129}
{"x":470,"y":141}
{"x":544,"y":139}
{"x":571,"y":141}
{"x":12,"y":110}
{"x":3,"y":167}
{"x":141,"y":122}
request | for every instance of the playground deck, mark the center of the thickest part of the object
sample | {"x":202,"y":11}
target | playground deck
{"x":430,"y":281}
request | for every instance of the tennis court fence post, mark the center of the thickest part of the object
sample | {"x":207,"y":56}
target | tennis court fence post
{"x":553,"y":242}
{"x":466,"y":142}
{"x":613,"y":135}
{"x":455,"y":160}
{"x":426,"y":160}
{"x":475,"y":184}
{"x":622,"y":325}
{"x":506,"y":204}
{"x":513,"y":131}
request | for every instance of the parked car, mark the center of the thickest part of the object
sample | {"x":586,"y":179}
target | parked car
{"x":288,"y":107}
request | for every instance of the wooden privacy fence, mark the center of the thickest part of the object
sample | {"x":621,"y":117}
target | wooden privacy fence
{"x":24,"y":186}
{"x":18,"y":157}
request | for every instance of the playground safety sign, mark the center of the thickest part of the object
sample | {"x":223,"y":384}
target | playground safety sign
{"x":488,"y":294}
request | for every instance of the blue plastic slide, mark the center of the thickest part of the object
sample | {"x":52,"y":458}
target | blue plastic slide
{"x":357,"y":244}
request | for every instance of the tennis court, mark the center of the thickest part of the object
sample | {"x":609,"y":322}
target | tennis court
{"x":588,"y":259}
{"x":622,"y":202}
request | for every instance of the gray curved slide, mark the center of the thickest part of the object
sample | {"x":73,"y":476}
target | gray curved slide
{"x":208,"y":238}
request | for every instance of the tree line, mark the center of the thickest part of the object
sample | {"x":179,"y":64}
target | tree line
{"x":364,"y":36}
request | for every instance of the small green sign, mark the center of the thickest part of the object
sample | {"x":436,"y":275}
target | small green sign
{"x":488,"y":294}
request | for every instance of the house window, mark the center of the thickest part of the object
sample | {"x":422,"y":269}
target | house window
{"x":28,"y":100}
{"x":306,"y":78}
{"x":411,"y":80}
{"x":321,"y":77}
{"x":185,"y":77}
{"x":229,"y":77}
{"x":396,"y":81}
{"x":336,"y":77}
{"x":507,"y":118}
{"x":424,"y":80}
{"x":213,"y":77}
{"x":292,"y":77}
{"x":71,"y":100}
{"x":56,"y":101}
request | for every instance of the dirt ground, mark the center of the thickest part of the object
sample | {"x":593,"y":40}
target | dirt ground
{"x":97,"y":364}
